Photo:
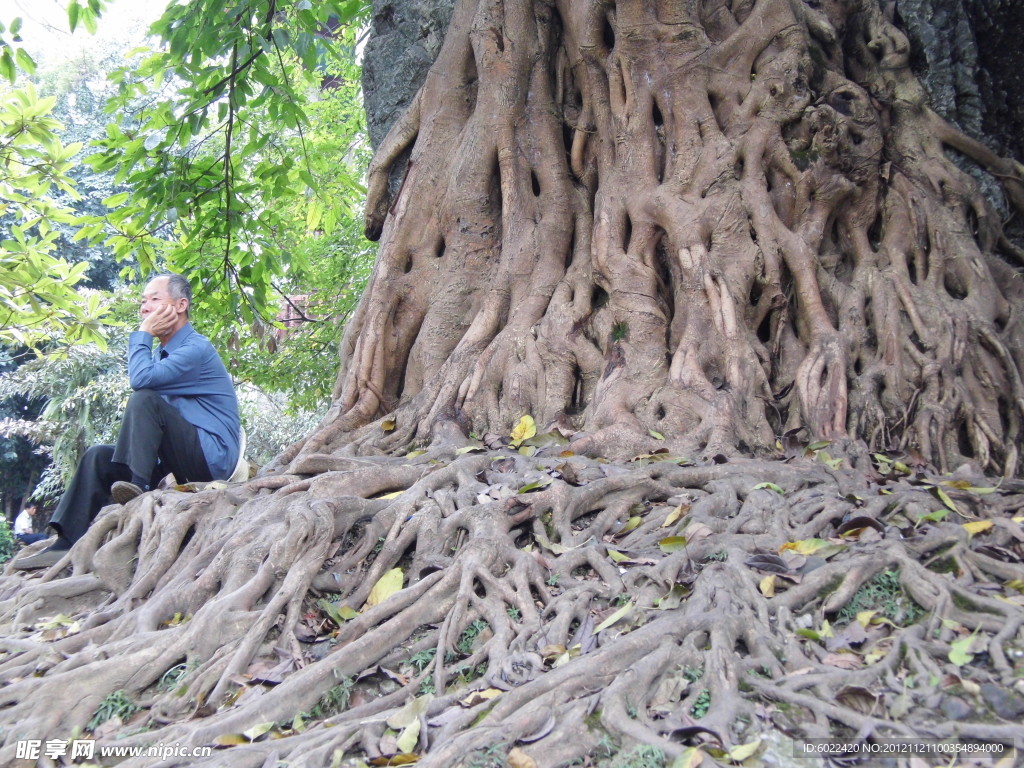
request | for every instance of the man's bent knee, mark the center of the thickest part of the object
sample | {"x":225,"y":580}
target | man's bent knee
{"x":140,"y":396}
{"x":98,"y":453}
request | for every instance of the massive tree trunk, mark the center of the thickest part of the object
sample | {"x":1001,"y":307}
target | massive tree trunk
{"x":695,"y":241}
{"x":721,"y":223}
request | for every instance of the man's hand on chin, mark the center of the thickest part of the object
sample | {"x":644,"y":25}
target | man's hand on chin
{"x":160,"y":321}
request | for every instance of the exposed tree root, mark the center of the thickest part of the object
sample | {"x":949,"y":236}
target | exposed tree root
{"x":647,"y":603}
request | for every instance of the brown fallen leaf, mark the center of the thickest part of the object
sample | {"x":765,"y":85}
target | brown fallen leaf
{"x":842,"y":660}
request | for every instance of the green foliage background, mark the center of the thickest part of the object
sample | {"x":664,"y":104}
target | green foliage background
{"x":231,"y":147}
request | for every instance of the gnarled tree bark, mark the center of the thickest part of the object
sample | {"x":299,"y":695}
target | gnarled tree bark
{"x":718,"y":224}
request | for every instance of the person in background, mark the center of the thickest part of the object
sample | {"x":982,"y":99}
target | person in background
{"x":24,"y":531}
{"x":182,"y":418}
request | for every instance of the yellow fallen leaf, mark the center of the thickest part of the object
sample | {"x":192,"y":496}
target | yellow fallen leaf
{"x":409,"y":737}
{"x":524,"y":430}
{"x":632,"y":524}
{"x":478,"y":697}
{"x":767,"y":585}
{"x":411,"y":712}
{"x":690,"y":758}
{"x":741,"y":752}
{"x":617,"y":556}
{"x":516,"y":758}
{"x":977,"y":526}
{"x":392,"y":495}
{"x":388,"y":425}
{"x":675,"y":515}
{"x":671,"y":544}
{"x":864,"y":618}
{"x":804,"y":547}
{"x":386,"y":586}
{"x":230,"y":740}
{"x":257,"y":730}
{"x":395,"y":759}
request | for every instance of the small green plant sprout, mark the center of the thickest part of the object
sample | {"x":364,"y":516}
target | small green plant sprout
{"x":701,"y":704}
{"x":883,"y":594}
{"x":421,"y":659}
{"x":464,"y":645}
{"x":116,"y":704}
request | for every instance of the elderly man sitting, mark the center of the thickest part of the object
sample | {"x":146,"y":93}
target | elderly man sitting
{"x":182,"y":418}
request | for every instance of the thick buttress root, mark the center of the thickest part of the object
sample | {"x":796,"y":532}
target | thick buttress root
{"x":651,"y":602}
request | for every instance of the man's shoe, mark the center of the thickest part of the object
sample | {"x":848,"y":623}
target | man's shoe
{"x":43,"y":559}
{"x":123,"y":491}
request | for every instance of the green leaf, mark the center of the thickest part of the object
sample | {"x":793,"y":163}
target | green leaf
{"x":117,"y":200}
{"x":944,"y":498}
{"x":535,"y":485}
{"x":960,"y":650}
{"x":770,"y":487}
{"x":617,"y":556}
{"x":672,"y":544}
{"x":339,"y":614}
{"x":25,"y":61}
{"x":7,"y":68}
{"x":932,"y":517}
{"x":619,"y":614}
{"x":73,"y":11}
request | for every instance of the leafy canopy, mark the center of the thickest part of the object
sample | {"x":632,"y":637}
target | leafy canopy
{"x":213,"y":138}
{"x":39,"y":300}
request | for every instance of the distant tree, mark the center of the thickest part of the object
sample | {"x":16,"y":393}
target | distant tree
{"x":20,"y":464}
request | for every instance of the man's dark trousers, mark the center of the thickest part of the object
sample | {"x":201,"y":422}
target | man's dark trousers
{"x":154,"y":440}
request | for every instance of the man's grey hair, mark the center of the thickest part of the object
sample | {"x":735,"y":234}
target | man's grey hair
{"x":179,"y":288}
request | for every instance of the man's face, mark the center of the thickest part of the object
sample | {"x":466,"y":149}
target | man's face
{"x":30,"y":510}
{"x":156,"y":295}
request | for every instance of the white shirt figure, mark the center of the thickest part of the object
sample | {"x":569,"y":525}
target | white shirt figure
{"x":23,"y":522}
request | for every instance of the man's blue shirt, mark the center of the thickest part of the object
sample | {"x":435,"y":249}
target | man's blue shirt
{"x":192,"y":378}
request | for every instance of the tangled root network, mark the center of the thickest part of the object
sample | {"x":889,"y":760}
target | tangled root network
{"x":482,"y":607}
